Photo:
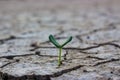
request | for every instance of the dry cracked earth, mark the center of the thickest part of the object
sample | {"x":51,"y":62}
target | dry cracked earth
{"x":27,"y":54}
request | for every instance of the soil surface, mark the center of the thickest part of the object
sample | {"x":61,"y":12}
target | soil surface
{"x":27,"y":54}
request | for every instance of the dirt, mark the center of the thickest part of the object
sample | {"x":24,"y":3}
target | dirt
{"x":27,"y":54}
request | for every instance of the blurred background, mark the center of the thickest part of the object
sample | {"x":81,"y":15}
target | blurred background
{"x":17,"y":6}
{"x":19,"y":16}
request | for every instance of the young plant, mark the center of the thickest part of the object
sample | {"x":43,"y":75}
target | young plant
{"x":53,"y":40}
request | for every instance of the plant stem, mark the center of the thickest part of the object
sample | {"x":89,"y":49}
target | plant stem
{"x":59,"y":59}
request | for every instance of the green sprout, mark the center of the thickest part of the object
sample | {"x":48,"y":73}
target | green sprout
{"x":53,"y":40}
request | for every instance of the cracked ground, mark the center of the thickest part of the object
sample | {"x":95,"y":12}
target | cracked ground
{"x":27,"y":54}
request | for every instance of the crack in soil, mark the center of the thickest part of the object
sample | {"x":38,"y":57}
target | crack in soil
{"x":98,"y":30}
{"x":5,"y":76}
{"x":87,"y":48}
{"x":12,"y":56}
{"x":9,"y":63}
{"x":95,"y":57}
{"x":38,"y":53}
{"x":65,"y":71}
{"x":2,"y":41}
{"x":106,"y":61}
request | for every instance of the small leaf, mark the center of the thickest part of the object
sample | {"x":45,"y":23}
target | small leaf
{"x":69,"y":39}
{"x":52,"y":39}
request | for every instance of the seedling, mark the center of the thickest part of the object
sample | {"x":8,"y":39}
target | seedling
{"x":60,"y":47}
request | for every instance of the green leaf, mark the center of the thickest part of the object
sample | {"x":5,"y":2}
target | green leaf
{"x":52,"y":39}
{"x":69,"y":39}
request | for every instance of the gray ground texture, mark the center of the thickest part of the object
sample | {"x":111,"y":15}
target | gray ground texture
{"x":27,"y":54}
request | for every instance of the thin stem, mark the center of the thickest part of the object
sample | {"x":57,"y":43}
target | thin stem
{"x":59,"y":59}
